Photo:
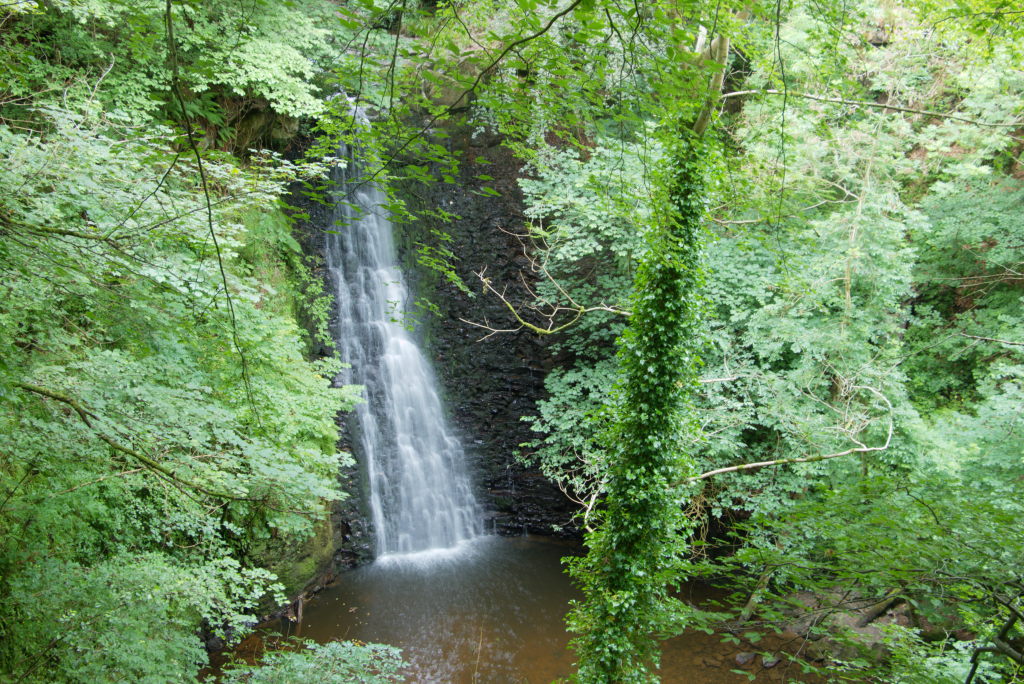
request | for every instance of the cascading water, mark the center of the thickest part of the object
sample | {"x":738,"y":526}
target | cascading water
{"x":420,"y":496}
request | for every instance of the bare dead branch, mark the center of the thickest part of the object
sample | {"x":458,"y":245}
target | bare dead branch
{"x":550,"y":315}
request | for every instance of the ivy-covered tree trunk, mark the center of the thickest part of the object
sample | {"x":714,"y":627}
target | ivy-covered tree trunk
{"x":637,"y":549}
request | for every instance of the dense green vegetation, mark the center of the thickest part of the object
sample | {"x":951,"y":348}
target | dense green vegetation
{"x":862,"y":331}
{"x":825,"y":398}
{"x":164,"y":438}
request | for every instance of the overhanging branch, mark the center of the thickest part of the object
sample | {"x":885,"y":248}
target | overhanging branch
{"x":992,"y":339}
{"x":149,"y":463}
{"x":576,"y":311}
{"x":861,"y":449}
{"x":872,"y":105}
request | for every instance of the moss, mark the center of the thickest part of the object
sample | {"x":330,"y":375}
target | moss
{"x":292,"y":288}
{"x":297,"y":563}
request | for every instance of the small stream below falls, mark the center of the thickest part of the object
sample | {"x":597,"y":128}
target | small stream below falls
{"x":492,"y":610}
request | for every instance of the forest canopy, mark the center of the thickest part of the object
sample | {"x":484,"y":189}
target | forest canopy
{"x":777,"y":246}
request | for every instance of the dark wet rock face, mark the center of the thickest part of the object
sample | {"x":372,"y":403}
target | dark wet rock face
{"x":489,"y":383}
{"x":350,"y":522}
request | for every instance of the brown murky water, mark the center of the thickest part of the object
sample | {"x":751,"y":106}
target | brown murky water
{"x":493,"y":612}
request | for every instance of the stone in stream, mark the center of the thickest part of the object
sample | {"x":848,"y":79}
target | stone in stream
{"x":711,"y":662}
{"x":768,"y":662}
{"x":744,"y":657}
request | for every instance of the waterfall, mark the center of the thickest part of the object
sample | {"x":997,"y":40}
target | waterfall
{"x":419,"y":492}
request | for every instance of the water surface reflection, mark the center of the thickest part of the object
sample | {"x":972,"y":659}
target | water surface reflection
{"x":491,"y":611}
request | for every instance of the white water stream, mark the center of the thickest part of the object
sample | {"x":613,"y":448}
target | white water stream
{"x":420,"y":496}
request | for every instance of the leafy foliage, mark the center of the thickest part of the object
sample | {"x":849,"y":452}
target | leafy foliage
{"x":163,"y":429}
{"x":336,"y":662}
{"x":860,"y":284}
{"x":232,"y":56}
{"x":137,"y":460}
{"x":633,"y":555}
{"x":859,"y":323}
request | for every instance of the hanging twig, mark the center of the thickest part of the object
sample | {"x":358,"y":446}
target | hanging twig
{"x":190,"y":136}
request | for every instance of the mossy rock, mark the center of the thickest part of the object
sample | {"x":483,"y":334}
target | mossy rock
{"x":297,"y":563}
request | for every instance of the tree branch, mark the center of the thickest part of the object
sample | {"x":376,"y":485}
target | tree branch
{"x":806,"y":459}
{"x":11,"y":224}
{"x":577,"y":312}
{"x":873,"y":105}
{"x":1000,"y":646}
{"x":992,"y":339}
{"x":450,"y":109}
{"x":718,"y":53}
{"x":88,"y":416}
